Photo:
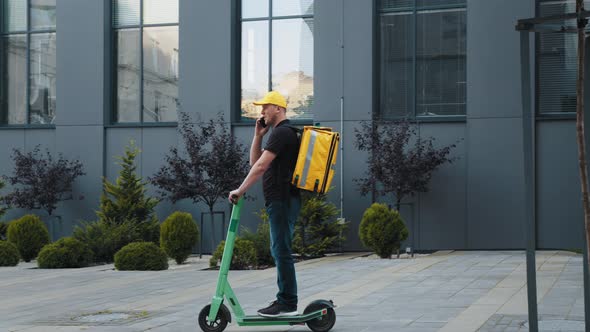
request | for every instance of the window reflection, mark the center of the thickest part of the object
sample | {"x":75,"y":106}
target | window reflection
{"x":254,"y":8}
{"x":440,"y":62}
{"x":13,"y":75}
{"x":42,"y":78}
{"x":254,"y":65}
{"x":160,"y":74}
{"x":422,"y":59}
{"x":292,"y":63}
{"x":147,"y":60}
{"x":283,"y":63}
{"x":292,"y":7}
{"x":396,"y":64}
{"x":160,"y":11}
{"x":128,"y":75}
{"x":14,"y":15}
{"x":557,"y":61}
{"x":126,"y":12}
{"x":42,"y":14}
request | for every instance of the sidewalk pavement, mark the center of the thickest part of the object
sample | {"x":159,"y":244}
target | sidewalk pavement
{"x":445,"y":291}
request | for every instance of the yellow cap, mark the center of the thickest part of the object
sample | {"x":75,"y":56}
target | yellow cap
{"x":274,"y":98}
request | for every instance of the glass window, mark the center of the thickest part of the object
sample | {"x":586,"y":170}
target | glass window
{"x":422,"y":58}
{"x":277,"y":54}
{"x":146,"y":65}
{"x":28,"y":63}
{"x":557,"y":61}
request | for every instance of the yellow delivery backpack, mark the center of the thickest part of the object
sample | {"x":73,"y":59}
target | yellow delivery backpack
{"x":316,"y":160}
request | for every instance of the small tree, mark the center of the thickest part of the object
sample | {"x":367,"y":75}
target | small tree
{"x":125,"y":201}
{"x":40,"y":182}
{"x":215,"y":164}
{"x":317,"y":229}
{"x":395,"y":167}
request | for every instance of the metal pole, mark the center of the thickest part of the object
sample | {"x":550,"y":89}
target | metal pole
{"x":587,"y":138}
{"x":528,"y":131}
{"x":201,"y":240}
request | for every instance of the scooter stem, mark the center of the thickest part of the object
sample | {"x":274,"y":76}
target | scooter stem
{"x":228,"y":251}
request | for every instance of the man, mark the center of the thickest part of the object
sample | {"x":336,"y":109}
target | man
{"x":276,"y":164}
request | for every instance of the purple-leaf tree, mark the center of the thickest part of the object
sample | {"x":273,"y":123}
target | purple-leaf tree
{"x":39,"y":181}
{"x":214,"y":164}
{"x":395,"y":167}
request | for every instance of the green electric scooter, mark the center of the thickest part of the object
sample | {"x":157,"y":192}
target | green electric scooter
{"x":318,"y":315}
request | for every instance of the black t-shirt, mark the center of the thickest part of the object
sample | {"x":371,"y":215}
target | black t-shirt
{"x":276,"y":181}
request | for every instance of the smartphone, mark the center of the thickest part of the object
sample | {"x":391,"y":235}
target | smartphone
{"x":262,"y":123}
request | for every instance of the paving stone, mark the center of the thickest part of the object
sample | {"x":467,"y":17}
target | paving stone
{"x":450,"y":291}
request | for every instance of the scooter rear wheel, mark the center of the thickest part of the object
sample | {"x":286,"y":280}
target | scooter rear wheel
{"x":220,"y":322}
{"x":323,"y":323}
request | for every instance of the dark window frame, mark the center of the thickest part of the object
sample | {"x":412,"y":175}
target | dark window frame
{"x":112,"y":115}
{"x":378,"y":12}
{"x":27,"y":32}
{"x":237,"y":118}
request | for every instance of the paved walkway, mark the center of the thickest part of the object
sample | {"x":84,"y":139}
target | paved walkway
{"x":445,"y":291}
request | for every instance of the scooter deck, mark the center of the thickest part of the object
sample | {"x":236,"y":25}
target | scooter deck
{"x":253,"y":320}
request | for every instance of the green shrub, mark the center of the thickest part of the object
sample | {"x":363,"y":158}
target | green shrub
{"x":8,"y":254}
{"x":3,"y":230}
{"x":178,"y":235}
{"x":317,"y":229}
{"x":67,"y":252}
{"x":244,"y":256}
{"x":261,"y":240}
{"x":141,"y":256}
{"x":105,"y":239}
{"x":382,"y":229}
{"x":29,"y":235}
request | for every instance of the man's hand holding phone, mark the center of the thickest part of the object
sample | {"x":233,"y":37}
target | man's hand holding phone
{"x":261,"y":127}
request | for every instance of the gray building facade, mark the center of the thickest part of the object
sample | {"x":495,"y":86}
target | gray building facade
{"x":474,"y":203}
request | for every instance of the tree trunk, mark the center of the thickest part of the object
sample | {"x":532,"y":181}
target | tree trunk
{"x":213,"y":244}
{"x":580,"y":127}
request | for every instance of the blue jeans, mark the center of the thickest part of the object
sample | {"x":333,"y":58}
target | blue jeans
{"x":282,"y":217}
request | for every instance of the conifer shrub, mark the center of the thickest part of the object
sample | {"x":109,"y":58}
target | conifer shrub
{"x":178,"y":234}
{"x":126,"y":213}
{"x":244,"y":255}
{"x":261,"y":240}
{"x":141,"y":256}
{"x":8,"y":254}
{"x":66,"y":252}
{"x":317,"y":229}
{"x":29,"y":235}
{"x":382,"y":229}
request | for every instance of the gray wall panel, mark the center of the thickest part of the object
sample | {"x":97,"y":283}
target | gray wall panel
{"x":156,"y":145}
{"x":80,"y":61}
{"x":495,"y":184}
{"x":493,"y":57}
{"x":85,"y":144}
{"x":442,"y":218}
{"x":328,"y":67}
{"x":358,"y":60}
{"x":45,"y":138}
{"x":559,"y":204}
{"x":205,"y":57}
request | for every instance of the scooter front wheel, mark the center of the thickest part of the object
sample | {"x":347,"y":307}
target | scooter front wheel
{"x":323,"y":323}
{"x":220,"y":322}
